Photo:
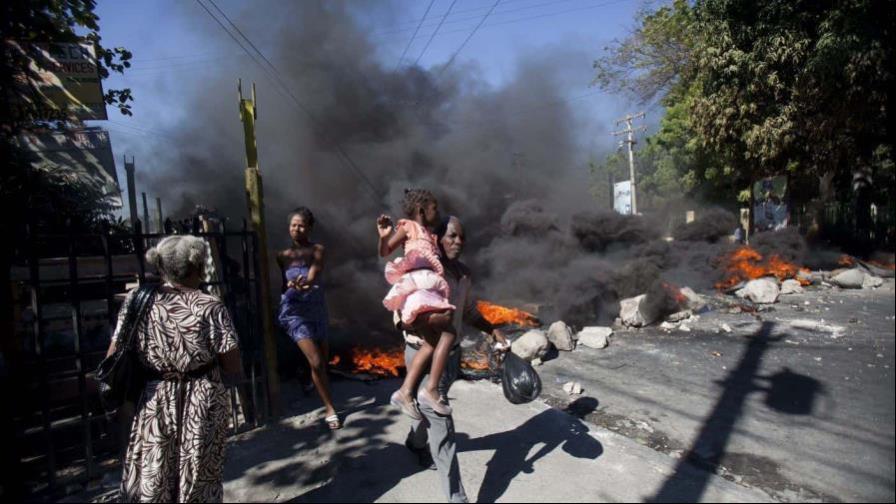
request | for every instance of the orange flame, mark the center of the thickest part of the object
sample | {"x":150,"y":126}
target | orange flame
{"x":879,"y":264}
{"x":746,"y":263}
{"x":386,"y":363}
{"x":675,"y":292}
{"x":502,"y":315}
{"x":374,"y":361}
{"x":846,"y":260}
{"x":477,"y":362}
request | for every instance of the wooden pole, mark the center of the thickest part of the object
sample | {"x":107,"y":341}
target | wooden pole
{"x":255,"y":201}
{"x":160,"y":221}
{"x":146,"y":214}
{"x":132,"y":190}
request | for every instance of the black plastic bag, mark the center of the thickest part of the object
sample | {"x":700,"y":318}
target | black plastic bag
{"x":519,"y":380}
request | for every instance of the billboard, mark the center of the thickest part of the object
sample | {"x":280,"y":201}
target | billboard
{"x":80,"y":157}
{"x":770,"y":211}
{"x":61,"y":82}
{"x":622,"y":197}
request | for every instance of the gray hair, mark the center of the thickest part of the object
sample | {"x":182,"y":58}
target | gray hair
{"x":177,"y":257}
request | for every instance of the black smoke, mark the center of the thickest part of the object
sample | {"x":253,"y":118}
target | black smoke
{"x":495,"y":155}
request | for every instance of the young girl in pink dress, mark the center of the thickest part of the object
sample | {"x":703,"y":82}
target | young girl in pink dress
{"x":420,"y":293}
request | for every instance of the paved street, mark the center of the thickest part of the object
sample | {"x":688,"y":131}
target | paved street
{"x":508,"y":453}
{"x":795,"y":404}
{"x":799,"y":403}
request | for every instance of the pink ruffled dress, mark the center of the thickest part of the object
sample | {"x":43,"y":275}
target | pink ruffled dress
{"x":418,"y":278}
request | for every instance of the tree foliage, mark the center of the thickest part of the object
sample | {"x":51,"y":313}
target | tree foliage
{"x":59,"y":21}
{"x":31,"y":195}
{"x":758,"y":88}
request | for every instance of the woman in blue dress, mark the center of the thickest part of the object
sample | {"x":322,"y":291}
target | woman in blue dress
{"x":303,"y":307}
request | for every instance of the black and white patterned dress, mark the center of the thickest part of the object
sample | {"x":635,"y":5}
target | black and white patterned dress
{"x":185,"y":330}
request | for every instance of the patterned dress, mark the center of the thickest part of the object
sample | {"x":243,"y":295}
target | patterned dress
{"x":185,"y":330}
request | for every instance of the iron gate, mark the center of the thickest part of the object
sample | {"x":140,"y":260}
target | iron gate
{"x":67,"y":290}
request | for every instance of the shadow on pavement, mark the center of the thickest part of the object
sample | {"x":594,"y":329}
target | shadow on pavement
{"x":786,"y":392}
{"x":290,"y":455}
{"x":550,"y":429}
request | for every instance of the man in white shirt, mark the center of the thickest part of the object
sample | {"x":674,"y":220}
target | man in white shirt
{"x":435,"y":430}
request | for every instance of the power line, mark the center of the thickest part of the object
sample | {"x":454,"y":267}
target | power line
{"x":416,"y":61}
{"x":274,"y":74}
{"x":459,"y":49}
{"x":406,"y":27}
{"x":411,"y":41}
{"x":477,"y":16}
{"x":141,"y":130}
{"x":464,"y":43}
{"x":528,"y":18}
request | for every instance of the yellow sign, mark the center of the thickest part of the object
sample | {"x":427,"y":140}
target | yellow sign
{"x":61,"y":82}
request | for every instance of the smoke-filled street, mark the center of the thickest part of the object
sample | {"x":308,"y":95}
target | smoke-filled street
{"x":449,"y":250}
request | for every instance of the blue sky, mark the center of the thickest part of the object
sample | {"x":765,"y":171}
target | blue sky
{"x":174,"y":42}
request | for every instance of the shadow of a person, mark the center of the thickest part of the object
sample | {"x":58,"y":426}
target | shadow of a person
{"x":550,"y":429}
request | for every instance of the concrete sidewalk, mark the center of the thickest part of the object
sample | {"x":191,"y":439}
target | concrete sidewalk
{"x":508,"y":453}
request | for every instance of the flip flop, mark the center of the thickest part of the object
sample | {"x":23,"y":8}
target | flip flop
{"x":407,"y":407}
{"x":438,"y":407}
{"x":333,"y":422}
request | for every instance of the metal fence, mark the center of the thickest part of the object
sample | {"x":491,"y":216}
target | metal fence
{"x":68,"y":289}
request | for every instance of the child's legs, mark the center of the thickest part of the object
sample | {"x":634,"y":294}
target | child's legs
{"x":423,"y":327}
{"x":417,"y":370}
{"x":442,"y":335}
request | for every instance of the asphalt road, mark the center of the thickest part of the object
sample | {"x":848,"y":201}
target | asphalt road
{"x":798,"y":402}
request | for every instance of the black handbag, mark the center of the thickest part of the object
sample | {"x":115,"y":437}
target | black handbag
{"x":121,"y":376}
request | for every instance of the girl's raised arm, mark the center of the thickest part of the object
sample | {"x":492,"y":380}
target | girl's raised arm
{"x":390,"y":238}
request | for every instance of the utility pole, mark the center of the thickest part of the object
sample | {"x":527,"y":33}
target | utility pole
{"x":630,"y":132}
{"x":132,"y":190}
{"x":160,"y":227}
{"x":255,"y":201}
{"x":146,"y":227}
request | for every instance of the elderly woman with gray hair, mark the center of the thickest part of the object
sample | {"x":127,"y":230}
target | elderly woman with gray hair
{"x":185,"y":342}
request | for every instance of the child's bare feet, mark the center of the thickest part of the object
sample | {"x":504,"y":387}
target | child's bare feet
{"x":424,"y":397}
{"x":404,"y":402}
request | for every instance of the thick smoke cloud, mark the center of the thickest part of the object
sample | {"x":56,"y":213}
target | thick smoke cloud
{"x":496,"y":156}
{"x":481,"y":149}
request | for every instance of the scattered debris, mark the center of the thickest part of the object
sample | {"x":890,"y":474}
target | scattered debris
{"x":536,"y":362}
{"x":595,"y":337}
{"x":679,"y":316}
{"x":849,"y":279}
{"x":810,"y":277}
{"x":791,"y":286}
{"x":872,"y":282}
{"x":726,"y":328}
{"x":572,"y":388}
{"x":818,"y":325}
{"x":561,"y":336}
{"x":630,"y":312}
{"x":684,"y":328}
{"x":716,"y":354}
{"x":668,"y":326}
{"x":762,"y":291}
{"x":695,"y":302}
{"x":534,"y":343}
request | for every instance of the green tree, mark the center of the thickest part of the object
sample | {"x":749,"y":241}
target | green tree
{"x":655,"y":59}
{"x":759,"y":88}
{"x":798,"y":87}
